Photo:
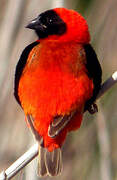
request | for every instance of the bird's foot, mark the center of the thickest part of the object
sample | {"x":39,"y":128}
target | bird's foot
{"x":93,"y":108}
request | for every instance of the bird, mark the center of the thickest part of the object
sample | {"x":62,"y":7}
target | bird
{"x":57,"y":79}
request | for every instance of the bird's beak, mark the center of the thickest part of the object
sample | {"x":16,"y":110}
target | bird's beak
{"x":34,"y":24}
{"x":40,"y":28}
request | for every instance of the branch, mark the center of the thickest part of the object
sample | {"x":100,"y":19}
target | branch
{"x":20,"y":163}
{"x":108,"y":84}
{"x":33,"y":151}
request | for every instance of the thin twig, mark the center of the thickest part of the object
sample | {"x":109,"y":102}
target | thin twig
{"x":20,"y":163}
{"x":33,"y":151}
{"x":108,"y":84}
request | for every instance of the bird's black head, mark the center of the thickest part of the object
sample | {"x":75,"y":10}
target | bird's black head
{"x":48,"y":23}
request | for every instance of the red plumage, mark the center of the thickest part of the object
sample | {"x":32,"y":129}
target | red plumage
{"x":54,"y":84}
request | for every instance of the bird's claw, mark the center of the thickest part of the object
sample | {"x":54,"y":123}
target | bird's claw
{"x":93,"y":108}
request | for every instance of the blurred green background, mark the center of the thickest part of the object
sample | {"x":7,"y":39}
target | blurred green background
{"x":91,"y":152}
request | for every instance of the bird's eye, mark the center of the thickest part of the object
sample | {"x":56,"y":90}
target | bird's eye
{"x":50,"y":20}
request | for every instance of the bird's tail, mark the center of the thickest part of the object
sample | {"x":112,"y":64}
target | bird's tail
{"x":50,"y":163}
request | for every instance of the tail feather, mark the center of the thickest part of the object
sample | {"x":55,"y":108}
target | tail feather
{"x":53,"y":162}
{"x":50,"y":163}
{"x":60,"y":162}
{"x":42,"y":171}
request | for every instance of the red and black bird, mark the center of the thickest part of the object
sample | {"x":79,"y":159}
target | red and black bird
{"x":57,"y":79}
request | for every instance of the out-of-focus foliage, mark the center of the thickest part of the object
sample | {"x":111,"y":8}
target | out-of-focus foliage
{"x":91,"y":152}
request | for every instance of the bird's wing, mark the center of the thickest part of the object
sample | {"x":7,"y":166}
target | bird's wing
{"x":30,"y":120}
{"x":59,"y":122}
{"x":94,"y":72}
{"x":20,"y":66}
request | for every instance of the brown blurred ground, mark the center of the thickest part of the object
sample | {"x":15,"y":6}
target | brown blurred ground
{"x":84,"y":155}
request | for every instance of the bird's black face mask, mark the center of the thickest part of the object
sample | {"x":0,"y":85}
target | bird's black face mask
{"x":48,"y":23}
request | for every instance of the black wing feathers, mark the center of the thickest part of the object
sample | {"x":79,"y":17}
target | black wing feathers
{"x":20,"y":66}
{"x":94,"y":72}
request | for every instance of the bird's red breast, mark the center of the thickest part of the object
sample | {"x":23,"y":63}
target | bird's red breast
{"x":55,"y":82}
